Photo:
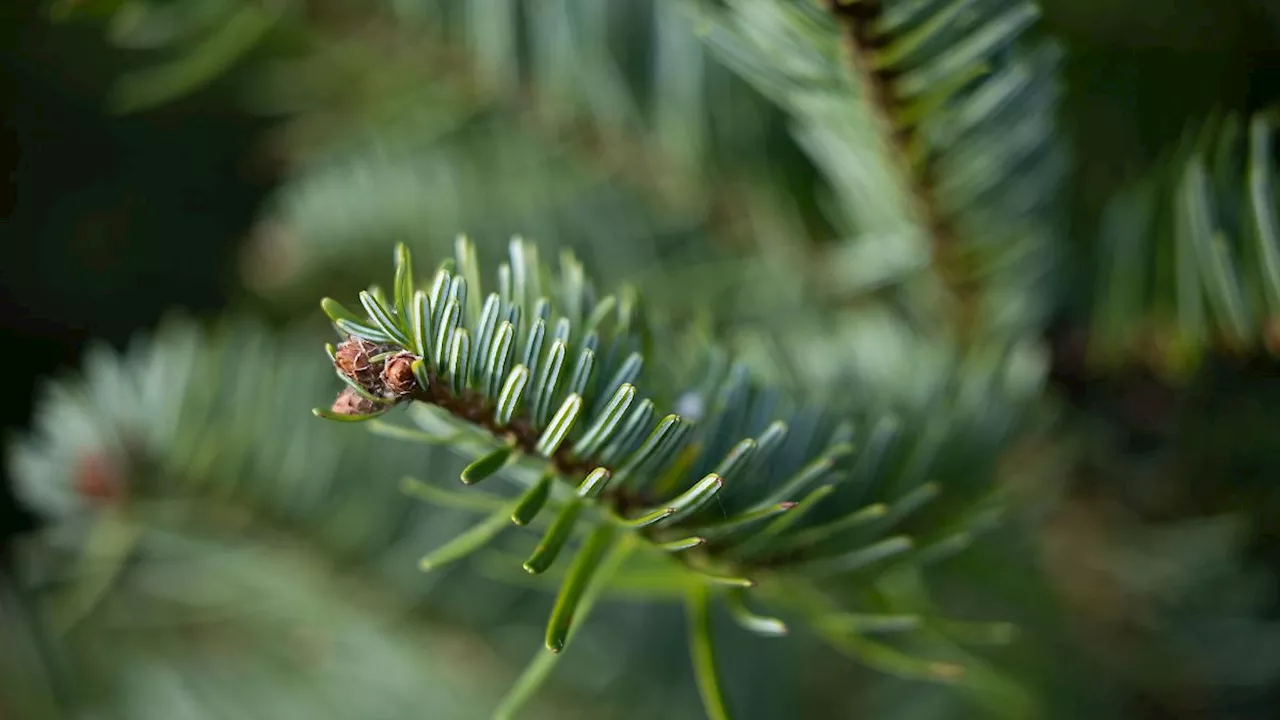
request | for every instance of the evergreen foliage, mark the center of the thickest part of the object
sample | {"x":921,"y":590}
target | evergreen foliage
{"x":734,"y":487}
{"x":837,"y":230}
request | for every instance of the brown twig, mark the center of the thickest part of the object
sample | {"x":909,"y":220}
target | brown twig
{"x":858,"y":20}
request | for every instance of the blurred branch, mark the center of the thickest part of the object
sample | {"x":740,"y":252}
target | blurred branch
{"x":939,"y":143}
{"x":1187,"y":261}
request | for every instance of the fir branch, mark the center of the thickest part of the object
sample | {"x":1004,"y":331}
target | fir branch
{"x":936,"y":131}
{"x":553,"y":375}
{"x":588,"y":424}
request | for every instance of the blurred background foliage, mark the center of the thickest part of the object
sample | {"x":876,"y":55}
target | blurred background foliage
{"x":235,"y":160}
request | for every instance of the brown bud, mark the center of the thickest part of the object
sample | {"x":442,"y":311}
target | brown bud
{"x":398,"y":375}
{"x":352,"y":359}
{"x":98,"y":479}
{"x":350,"y":402}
